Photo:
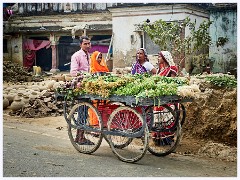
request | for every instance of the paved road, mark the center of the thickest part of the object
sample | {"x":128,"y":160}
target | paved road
{"x":36,"y":148}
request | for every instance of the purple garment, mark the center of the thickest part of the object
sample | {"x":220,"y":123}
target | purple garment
{"x":138,"y":68}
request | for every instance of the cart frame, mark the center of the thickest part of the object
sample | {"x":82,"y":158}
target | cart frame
{"x":129,"y":142}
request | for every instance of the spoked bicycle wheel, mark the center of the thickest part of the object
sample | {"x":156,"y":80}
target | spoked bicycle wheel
{"x":165,"y":132}
{"x":85,"y":127}
{"x":127,"y":128}
{"x":125,"y":141}
{"x":67,"y":106}
{"x":181,"y":113}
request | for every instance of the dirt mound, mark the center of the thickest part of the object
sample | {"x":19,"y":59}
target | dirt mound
{"x":13,"y":72}
{"x":219,"y":151}
{"x":213,"y":116}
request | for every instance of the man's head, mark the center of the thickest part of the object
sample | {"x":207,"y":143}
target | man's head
{"x":85,"y":43}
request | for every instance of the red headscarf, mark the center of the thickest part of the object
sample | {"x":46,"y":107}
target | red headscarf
{"x":172,"y":69}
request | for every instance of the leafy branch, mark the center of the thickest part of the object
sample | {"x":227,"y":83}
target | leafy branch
{"x":169,"y":36}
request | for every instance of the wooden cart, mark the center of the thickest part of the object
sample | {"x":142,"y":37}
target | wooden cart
{"x":130,"y":125}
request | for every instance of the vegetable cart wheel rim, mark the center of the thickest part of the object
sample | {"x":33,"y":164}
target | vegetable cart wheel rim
{"x":126,"y":141}
{"x":127,"y":120}
{"x":182,"y":113}
{"x":165,"y":136}
{"x":85,"y":113}
{"x":67,"y":106}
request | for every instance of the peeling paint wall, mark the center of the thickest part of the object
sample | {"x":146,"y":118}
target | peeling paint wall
{"x":122,"y":19}
{"x":15,"y":52}
{"x":70,"y":20}
{"x":17,"y":49}
{"x":223,"y":31}
{"x":37,"y":8}
{"x":61,"y":20}
{"x":126,"y":40}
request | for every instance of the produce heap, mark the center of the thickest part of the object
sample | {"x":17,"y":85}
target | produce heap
{"x":222,"y":80}
{"x":138,"y":85}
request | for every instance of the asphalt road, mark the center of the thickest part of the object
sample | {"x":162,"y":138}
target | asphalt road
{"x":33,"y":149}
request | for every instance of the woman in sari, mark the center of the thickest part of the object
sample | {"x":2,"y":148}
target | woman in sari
{"x":166,"y":68}
{"x":166,"y":65}
{"x":142,"y":64}
{"x":98,"y":64}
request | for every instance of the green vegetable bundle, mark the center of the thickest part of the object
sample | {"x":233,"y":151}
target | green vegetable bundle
{"x":222,"y":81}
{"x":138,"y":85}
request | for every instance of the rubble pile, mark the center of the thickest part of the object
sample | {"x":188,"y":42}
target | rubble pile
{"x":40,"y":107}
{"x":13,"y":72}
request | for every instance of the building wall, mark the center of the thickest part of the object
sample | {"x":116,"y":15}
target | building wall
{"x":126,"y":40}
{"x":224,"y":56}
{"x":69,"y":20}
{"x":14,"y":49}
{"x":20,"y":24}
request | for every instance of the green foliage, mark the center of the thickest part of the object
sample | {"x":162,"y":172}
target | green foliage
{"x":152,"y":86}
{"x":138,"y":85}
{"x":168,"y":35}
{"x":222,"y":81}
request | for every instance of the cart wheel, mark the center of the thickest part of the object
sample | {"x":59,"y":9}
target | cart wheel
{"x":67,"y":106}
{"x":126,"y":141}
{"x":165,"y":133}
{"x":126,"y":122}
{"x":85,"y":114}
{"x":181,"y":113}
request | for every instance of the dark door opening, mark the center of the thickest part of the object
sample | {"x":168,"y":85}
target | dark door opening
{"x":43,"y":56}
{"x":44,"y":59}
{"x":66,"y":48}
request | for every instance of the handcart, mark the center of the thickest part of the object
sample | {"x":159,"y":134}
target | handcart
{"x":131,"y":126}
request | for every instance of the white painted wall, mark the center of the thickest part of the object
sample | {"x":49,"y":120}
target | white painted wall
{"x":123,"y":23}
{"x":125,"y":19}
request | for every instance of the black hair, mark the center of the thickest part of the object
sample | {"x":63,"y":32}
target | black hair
{"x":82,"y":38}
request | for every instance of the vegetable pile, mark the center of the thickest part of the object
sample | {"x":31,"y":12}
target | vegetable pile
{"x":222,"y":81}
{"x":138,"y":85}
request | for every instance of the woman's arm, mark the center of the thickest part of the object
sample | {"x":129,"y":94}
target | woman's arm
{"x":154,"y":71}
